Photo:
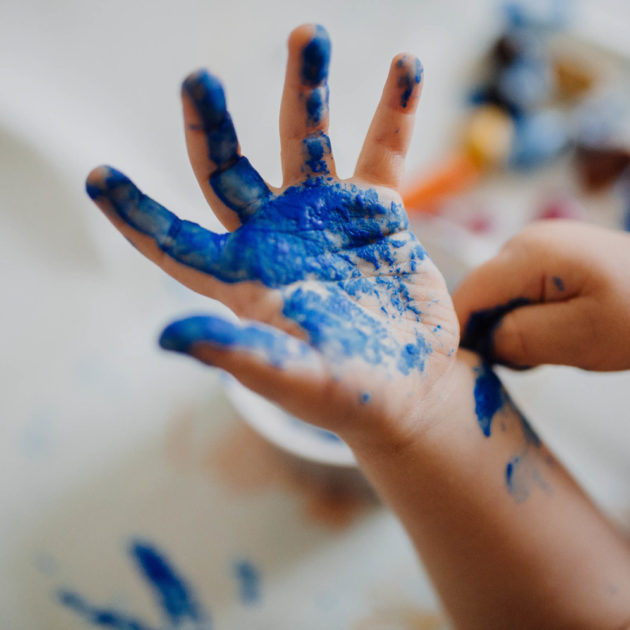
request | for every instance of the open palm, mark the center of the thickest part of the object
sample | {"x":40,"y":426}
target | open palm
{"x":347,"y":313}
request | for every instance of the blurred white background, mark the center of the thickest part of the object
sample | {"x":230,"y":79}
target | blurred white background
{"x":91,"y":411}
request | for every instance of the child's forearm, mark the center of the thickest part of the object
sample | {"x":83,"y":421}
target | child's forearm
{"x":508,"y":538}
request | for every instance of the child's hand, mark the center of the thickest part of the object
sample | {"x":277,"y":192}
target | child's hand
{"x":559,"y":292}
{"x":348,"y":316}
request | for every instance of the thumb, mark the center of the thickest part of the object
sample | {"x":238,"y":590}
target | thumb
{"x":267,"y":360}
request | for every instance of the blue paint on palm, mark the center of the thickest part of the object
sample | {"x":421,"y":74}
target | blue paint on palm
{"x":342,"y":236}
{"x":174,"y":598}
{"x":353,"y":244}
{"x":489,"y":397}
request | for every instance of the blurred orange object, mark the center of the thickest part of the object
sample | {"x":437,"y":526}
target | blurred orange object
{"x":486,"y":142}
{"x":454,"y":175}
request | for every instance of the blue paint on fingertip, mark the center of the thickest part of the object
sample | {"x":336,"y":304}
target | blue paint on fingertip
{"x":207,"y":94}
{"x":489,"y":397}
{"x":276,"y":346}
{"x":249,"y":579}
{"x":408,"y":79}
{"x":316,"y":58}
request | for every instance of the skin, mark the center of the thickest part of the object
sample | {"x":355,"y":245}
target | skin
{"x":575,"y":277}
{"x":498,"y":523}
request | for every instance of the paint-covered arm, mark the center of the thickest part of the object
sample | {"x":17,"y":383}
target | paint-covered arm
{"x":508,"y":538}
{"x":559,"y":292}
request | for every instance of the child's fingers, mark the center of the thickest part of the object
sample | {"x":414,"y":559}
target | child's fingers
{"x":304,"y":110}
{"x":185,"y":250}
{"x":231,"y":185}
{"x":383,"y":154}
{"x":269,"y":361}
{"x":556,"y":333}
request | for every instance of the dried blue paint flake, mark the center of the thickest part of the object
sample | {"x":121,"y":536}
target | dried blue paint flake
{"x":558,"y":282}
{"x":489,"y":397}
{"x":316,"y":58}
{"x":249,"y":578}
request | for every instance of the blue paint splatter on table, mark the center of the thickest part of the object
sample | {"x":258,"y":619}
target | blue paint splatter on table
{"x":174,"y":598}
{"x":249,"y":579}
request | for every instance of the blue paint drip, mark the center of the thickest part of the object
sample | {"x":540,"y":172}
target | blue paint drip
{"x":408,"y":79}
{"x":558,"y":282}
{"x":482,"y":325}
{"x":171,"y":591}
{"x":276,"y":346}
{"x":345,"y":237}
{"x":249,"y":578}
{"x":103,"y":617}
{"x":316,"y":57}
{"x":489,"y":397}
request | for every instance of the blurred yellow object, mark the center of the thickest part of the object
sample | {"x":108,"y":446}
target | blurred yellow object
{"x":488,"y":136}
{"x":486,"y":143}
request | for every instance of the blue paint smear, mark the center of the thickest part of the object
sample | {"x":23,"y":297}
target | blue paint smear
{"x":479,"y":331}
{"x":316,"y":57}
{"x":170,"y":590}
{"x":408,"y":79}
{"x":173,"y":596}
{"x":102,"y":617}
{"x":249,"y":579}
{"x":489,"y":397}
{"x":317,"y":105}
{"x":276,"y":347}
{"x":346,"y":238}
{"x":365,"y":398}
{"x":317,"y":149}
{"x":235,"y":181}
{"x":558,"y":282}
